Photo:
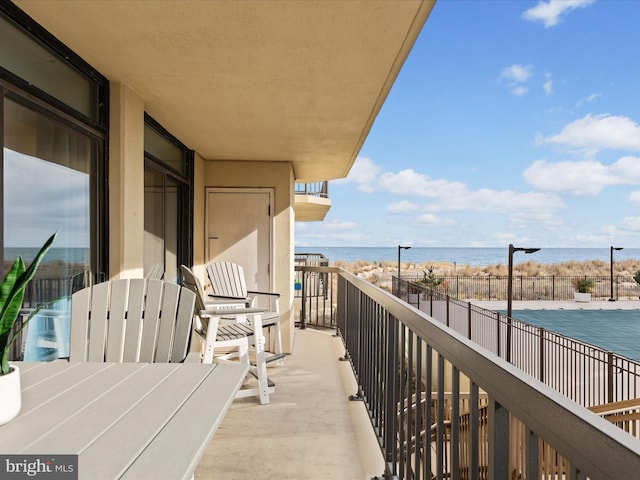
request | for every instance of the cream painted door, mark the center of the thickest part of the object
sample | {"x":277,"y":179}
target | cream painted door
{"x":239,"y":230}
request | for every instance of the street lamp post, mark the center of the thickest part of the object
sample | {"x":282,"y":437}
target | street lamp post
{"x":400,"y":247}
{"x":512,"y":249}
{"x":611,"y":299}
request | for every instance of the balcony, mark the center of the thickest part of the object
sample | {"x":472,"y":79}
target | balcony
{"x":438,"y":405}
{"x":311,"y":201}
{"x":309,"y":430}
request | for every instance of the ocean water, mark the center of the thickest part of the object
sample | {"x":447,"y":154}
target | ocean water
{"x":469,"y":256}
{"x":70,"y":255}
{"x":459,"y":255}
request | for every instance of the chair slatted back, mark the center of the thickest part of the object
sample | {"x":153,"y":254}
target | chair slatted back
{"x":227,"y":279}
{"x":191,"y":282}
{"x":156,"y":272}
{"x":135,"y":320}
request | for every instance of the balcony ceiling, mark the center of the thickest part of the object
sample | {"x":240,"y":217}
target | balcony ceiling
{"x":279,"y":80}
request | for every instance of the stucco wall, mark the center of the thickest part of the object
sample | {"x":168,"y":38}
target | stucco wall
{"x":247,"y":174}
{"x":126,"y":183}
{"x":126,"y":201}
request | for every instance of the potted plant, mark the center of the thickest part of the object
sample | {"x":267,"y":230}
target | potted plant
{"x":11,"y":298}
{"x":583,"y":288}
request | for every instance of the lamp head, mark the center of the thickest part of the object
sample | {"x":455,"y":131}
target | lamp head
{"x":520,"y":249}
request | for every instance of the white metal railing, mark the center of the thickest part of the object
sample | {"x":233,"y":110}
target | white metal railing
{"x":315,"y":189}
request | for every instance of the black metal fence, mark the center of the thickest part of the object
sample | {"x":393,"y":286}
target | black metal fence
{"x":42,"y":291}
{"x":442,"y":407}
{"x":584,"y":373}
{"x":314,"y":291}
{"x":546,"y":287}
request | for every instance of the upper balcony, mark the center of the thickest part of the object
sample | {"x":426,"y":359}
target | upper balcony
{"x":312,"y":201}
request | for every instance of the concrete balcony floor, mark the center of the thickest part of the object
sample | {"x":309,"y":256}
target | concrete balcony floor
{"x":309,"y":430}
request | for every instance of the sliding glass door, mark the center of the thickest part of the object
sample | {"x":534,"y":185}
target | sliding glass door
{"x":49,"y":170}
{"x":53,"y":134}
{"x":167,"y":213}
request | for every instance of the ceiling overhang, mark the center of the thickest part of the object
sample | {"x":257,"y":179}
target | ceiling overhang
{"x":279,"y":80}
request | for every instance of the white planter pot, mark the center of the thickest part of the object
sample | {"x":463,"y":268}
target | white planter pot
{"x":10,"y":395}
{"x":582,"y":297}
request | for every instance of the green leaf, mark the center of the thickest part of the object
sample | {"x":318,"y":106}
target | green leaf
{"x":12,"y":295}
{"x":6,"y":293}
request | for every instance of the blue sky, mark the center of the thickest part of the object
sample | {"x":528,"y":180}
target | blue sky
{"x":511,"y":121}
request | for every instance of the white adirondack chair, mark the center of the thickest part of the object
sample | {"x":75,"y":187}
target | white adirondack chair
{"x":228,"y":284}
{"x":135,"y":320}
{"x":156,"y":272}
{"x":220,"y":326}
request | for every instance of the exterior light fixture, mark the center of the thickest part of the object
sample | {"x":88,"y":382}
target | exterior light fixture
{"x":611,"y":299}
{"x":512,"y":249}
{"x":400,"y":247}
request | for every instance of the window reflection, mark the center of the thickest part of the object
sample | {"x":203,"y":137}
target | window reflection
{"x":47,"y":186}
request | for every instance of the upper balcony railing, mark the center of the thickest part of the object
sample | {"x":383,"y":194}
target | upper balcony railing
{"x":315,"y":189}
{"x":444,"y":406}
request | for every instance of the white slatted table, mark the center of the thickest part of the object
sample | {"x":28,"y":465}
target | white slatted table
{"x":124,"y":420}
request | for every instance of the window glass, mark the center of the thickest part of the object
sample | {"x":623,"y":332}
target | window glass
{"x":47,"y":170}
{"x":173,"y":211}
{"x":164,"y":222}
{"x":26,"y":58}
{"x":163,"y":150}
{"x":153,"y":219}
{"x":166,"y":201}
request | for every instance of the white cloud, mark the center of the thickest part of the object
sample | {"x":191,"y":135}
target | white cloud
{"x":515,"y":77}
{"x":505,"y":202}
{"x":586,"y":177}
{"x":434,"y":221}
{"x":598,"y":132}
{"x":449,"y":196}
{"x":548,"y":84}
{"x":517,"y":73}
{"x":402,"y":206}
{"x":364,"y":172}
{"x":540,"y":217}
{"x":549,"y":12}
{"x":337,"y":225}
{"x":635,"y":196}
{"x":519,"y":90}
{"x":588,"y":99}
{"x":57,"y":198}
{"x":406,"y":181}
{"x":631,"y":223}
{"x":595,"y":239}
{"x":510,"y":237}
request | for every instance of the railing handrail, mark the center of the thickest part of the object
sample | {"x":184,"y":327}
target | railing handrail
{"x":592,"y":445}
{"x":317,"y":189}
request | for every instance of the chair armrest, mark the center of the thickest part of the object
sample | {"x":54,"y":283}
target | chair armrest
{"x":212,"y":303}
{"x":223,"y":298}
{"x":217,"y":312}
{"x":272,"y":294}
{"x":193,"y":357}
{"x":273,"y":298}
